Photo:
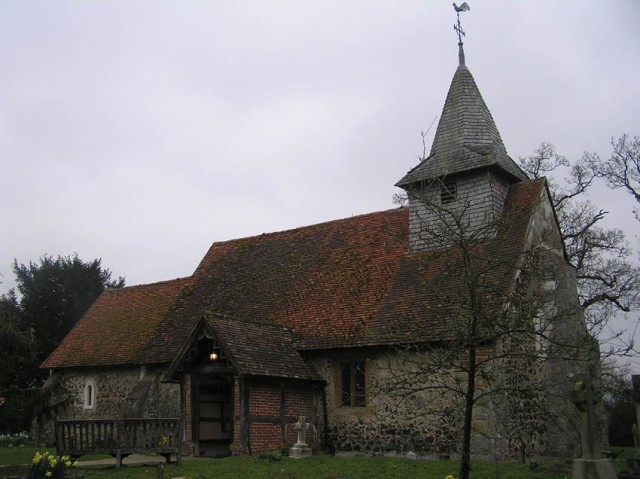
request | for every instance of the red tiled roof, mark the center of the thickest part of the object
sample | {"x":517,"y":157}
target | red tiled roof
{"x":343,"y":283}
{"x":338,"y":284}
{"x":320,"y":281}
{"x":116,"y":328}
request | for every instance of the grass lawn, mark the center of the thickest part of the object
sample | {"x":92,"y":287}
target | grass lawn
{"x":320,"y":467}
{"x":21,"y":454}
{"x":317,"y":467}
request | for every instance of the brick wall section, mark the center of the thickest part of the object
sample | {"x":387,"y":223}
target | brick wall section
{"x":483,"y":192}
{"x":274,"y":409}
{"x":265,"y":437}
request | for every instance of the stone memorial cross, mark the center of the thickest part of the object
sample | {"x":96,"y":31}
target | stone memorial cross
{"x":586,"y":395}
{"x":300,"y":448}
{"x":302,"y":427}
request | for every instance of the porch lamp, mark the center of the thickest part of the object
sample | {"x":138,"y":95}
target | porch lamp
{"x":213,"y":356}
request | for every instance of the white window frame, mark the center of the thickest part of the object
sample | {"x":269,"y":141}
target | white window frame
{"x":89,"y":394}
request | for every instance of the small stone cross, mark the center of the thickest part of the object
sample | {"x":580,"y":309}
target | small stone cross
{"x":301,"y":427}
{"x":300,"y":449}
{"x":586,"y":395}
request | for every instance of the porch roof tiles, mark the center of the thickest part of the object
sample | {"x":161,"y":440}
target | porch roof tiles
{"x":260,"y":349}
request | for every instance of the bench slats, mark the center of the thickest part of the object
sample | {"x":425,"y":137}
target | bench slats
{"x":119,"y":437}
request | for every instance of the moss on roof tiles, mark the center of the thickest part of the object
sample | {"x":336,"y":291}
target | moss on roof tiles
{"x":116,"y":328}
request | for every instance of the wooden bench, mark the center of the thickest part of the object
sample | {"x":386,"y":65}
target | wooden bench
{"x":119,"y":437}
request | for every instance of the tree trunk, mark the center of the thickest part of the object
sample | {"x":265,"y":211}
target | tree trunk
{"x":465,"y":453}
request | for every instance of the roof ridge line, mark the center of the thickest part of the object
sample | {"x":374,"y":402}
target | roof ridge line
{"x":148,"y":285}
{"x":312,"y":225}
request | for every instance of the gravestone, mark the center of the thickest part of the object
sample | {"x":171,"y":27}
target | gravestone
{"x":592,"y":465}
{"x":301,"y":449}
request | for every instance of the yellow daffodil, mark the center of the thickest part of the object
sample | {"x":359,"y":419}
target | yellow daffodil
{"x":48,"y":473}
{"x":37,"y":457}
{"x":75,"y":464}
{"x":54,"y":463}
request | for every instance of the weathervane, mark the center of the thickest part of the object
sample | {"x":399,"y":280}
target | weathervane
{"x":457,"y":27}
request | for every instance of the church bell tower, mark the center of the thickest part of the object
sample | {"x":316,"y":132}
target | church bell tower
{"x":464,"y":181}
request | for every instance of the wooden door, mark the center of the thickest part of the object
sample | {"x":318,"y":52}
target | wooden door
{"x":214,"y":416}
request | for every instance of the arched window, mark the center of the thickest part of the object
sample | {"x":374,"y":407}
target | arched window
{"x":89,"y":394}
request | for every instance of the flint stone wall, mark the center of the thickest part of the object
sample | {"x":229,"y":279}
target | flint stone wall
{"x":501,"y":428}
{"x":566,"y":341}
{"x":384,"y":426}
{"x":122,"y":393}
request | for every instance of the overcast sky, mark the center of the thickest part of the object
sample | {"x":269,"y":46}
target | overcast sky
{"x":140,"y":132}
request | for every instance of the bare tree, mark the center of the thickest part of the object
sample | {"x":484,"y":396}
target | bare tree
{"x":623,"y":168}
{"x":608,"y":280}
{"x":506,"y":337}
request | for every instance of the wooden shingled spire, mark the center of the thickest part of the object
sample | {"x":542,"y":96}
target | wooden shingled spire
{"x":467,"y":137}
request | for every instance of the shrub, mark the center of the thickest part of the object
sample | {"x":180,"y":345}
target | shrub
{"x":12,"y":440}
{"x":271,"y":456}
{"x":284,"y":451}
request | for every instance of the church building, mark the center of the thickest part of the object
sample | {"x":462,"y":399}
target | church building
{"x":370,"y":327}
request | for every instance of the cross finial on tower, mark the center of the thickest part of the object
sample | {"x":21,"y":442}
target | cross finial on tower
{"x":458,"y":28}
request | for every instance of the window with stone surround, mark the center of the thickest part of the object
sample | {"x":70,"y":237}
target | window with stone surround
{"x":89,"y":394}
{"x":353,"y":379}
